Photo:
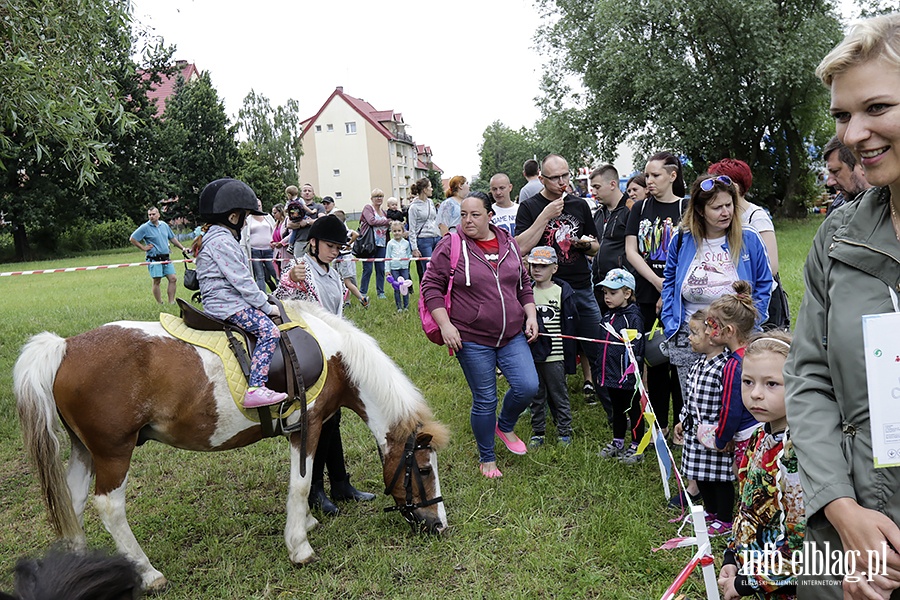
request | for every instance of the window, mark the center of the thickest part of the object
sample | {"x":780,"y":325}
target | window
{"x":318,"y":129}
{"x":350,"y":127}
{"x":330,"y":127}
{"x":337,"y":172}
{"x":337,"y":195}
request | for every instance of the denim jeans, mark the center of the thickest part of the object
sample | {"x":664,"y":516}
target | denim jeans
{"x":263,"y":270}
{"x":479,"y":364}
{"x":401,"y":300}
{"x":379,"y":273}
{"x":426,"y":248}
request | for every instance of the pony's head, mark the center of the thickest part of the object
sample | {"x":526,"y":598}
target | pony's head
{"x":411,"y":475}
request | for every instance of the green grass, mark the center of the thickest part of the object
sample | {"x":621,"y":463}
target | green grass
{"x":560,"y":523}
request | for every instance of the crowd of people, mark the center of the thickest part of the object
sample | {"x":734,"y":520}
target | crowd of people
{"x":526,"y":289}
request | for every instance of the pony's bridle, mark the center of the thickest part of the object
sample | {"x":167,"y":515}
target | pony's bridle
{"x":407,"y":465}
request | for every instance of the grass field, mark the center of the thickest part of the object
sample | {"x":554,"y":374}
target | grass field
{"x":560,"y":523}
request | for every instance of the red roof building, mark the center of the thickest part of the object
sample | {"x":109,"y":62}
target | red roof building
{"x":351,"y":148}
{"x":160,"y":93}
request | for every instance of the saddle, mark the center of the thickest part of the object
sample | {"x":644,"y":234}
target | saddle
{"x":299,"y":361}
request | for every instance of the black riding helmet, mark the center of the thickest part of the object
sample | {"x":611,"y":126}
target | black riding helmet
{"x":328,"y":229}
{"x":223,"y":196}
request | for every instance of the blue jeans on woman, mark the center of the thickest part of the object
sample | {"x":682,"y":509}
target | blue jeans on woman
{"x":426,"y":248}
{"x":264,"y":270}
{"x":379,"y":273}
{"x":479,"y":364}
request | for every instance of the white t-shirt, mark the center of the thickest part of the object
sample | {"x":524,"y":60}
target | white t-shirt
{"x":710,"y":276}
{"x":505,"y":218}
{"x":757,"y":218}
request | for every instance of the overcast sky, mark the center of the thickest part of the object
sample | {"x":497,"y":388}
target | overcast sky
{"x":451,"y":69}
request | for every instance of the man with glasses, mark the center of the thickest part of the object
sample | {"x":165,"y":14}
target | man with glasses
{"x":564,"y":222}
{"x":153,"y":238}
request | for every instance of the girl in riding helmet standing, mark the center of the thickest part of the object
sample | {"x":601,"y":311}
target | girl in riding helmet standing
{"x":226,"y":284}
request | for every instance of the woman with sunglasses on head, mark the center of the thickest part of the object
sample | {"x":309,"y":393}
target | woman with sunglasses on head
{"x":708,"y":254}
{"x":852,"y":270}
{"x":651,"y":224}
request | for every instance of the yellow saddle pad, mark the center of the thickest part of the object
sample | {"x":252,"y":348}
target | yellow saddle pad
{"x":217,"y":341}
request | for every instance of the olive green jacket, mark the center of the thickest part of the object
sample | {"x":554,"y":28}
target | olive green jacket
{"x":853,"y":266}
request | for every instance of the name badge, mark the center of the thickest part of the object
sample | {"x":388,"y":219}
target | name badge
{"x":881,"y":343}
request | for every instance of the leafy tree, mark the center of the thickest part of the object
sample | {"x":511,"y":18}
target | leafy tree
{"x":437,"y":186}
{"x":705,"y":78}
{"x":504,"y":150}
{"x":272,"y":148}
{"x":55,"y":117}
{"x":202,"y":142}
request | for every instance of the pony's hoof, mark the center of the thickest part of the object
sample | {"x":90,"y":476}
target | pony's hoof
{"x":157,"y":586}
{"x":305,"y":561}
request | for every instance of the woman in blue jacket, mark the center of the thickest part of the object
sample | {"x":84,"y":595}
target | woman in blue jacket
{"x":711,"y":252}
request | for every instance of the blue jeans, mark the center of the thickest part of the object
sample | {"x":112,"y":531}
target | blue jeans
{"x":402,"y":301}
{"x":479,"y":364}
{"x":263,"y":270}
{"x":589,"y":327}
{"x":379,"y":272}
{"x":426,"y":248}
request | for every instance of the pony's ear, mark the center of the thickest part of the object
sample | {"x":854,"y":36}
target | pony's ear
{"x":423,"y":439}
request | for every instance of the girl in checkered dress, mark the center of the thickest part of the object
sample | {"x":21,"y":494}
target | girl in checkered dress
{"x":710,"y":468}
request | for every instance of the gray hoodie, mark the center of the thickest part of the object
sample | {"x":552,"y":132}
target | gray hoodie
{"x":226,"y":283}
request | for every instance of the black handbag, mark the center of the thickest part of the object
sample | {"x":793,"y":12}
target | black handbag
{"x":779,"y":311}
{"x":364,"y":246}
{"x":191,"y":282}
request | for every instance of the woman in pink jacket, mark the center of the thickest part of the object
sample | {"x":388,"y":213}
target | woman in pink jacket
{"x":493,"y":317}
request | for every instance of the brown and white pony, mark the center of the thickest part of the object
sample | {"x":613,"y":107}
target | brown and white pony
{"x":128,"y":382}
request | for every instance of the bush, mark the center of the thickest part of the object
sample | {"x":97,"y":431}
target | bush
{"x":87,"y":237}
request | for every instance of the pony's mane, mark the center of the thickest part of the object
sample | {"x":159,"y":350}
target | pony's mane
{"x":376,"y":375}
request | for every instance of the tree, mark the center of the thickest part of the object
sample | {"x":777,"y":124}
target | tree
{"x":437,"y":186}
{"x":53,"y":115}
{"x":272,"y":147}
{"x":202,"y":140}
{"x":504,"y":150}
{"x":705,"y":78}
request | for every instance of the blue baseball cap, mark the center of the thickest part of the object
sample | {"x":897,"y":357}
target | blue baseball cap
{"x":618,"y":278}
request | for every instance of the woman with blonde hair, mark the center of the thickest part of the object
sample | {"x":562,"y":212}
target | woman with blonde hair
{"x":374,"y":217}
{"x":448,"y":211}
{"x":852,"y":270}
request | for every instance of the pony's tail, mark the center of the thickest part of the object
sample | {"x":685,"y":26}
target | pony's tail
{"x":33,"y":378}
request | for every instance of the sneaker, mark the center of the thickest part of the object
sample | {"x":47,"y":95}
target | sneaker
{"x":564,"y":440}
{"x":399,"y":310}
{"x":262,"y":396}
{"x":346,"y":304}
{"x":612,"y":451}
{"x":717,"y":527}
{"x":381,"y":296}
{"x":678,"y":502}
{"x":536,"y":441}
{"x":365,"y":302}
{"x":590,"y":395}
{"x":631,"y":457}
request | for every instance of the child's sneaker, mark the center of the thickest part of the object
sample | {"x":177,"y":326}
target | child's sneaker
{"x":536,"y":441}
{"x":718,"y":527}
{"x":564,"y":440}
{"x":679,"y":502}
{"x":631,"y":457}
{"x":365,"y":302}
{"x":612,"y":451}
{"x":590,"y":396}
{"x":262,"y":396}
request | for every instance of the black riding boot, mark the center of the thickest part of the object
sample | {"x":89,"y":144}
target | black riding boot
{"x":318,"y":499}
{"x":344,"y":490}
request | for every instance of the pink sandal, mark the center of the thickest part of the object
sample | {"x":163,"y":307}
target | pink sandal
{"x":490,"y":473}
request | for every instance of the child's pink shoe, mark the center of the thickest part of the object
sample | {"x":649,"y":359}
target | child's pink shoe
{"x":262,"y":396}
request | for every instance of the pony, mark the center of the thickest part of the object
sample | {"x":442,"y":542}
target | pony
{"x":124,"y":383}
